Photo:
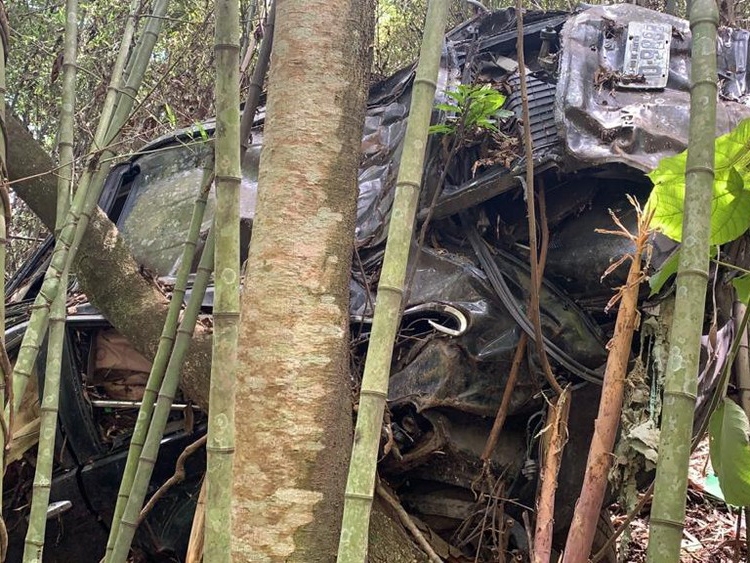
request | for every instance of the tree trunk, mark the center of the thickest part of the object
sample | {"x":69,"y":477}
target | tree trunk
{"x":293,"y":404}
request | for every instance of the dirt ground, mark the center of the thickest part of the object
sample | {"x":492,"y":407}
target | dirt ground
{"x":710,"y":528}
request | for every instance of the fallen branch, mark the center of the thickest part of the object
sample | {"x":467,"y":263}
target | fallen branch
{"x":557,"y":430}
{"x":408,"y":523}
{"x":589,"y":505}
{"x":195,"y":544}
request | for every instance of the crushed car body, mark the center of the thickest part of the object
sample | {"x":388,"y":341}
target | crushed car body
{"x":607,"y":101}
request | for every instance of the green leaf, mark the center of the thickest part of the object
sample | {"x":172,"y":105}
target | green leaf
{"x":442,"y":128}
{"x":170,"y":115}
{"x":729,"y":448}
{"x":657,"y":280}
{"x":449,"y":108}
{"x":730,"y":207}
{"x":742,"y":287}
{"x":712,"y":487}
{"x":457,"y":95}
{"x":667,"y":270}
{"x":202,"y":131}
{"x":478,"y":106}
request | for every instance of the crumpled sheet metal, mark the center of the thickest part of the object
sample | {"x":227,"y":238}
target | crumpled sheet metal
{"x":601,"y":125}
{"x":385,"y":124}
{"x":469,"y":372}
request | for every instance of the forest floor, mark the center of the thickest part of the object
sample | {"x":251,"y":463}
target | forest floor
{"x":710,"y":528}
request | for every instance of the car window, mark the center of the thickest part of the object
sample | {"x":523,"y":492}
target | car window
{"x":156,"y":216}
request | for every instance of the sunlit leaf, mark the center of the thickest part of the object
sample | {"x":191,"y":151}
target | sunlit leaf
{"x":170,"y":115}
{"x":450,"y":108}
{"x":730,"y":206}
{"x":476,"y":107}
{"x":441,"y":128}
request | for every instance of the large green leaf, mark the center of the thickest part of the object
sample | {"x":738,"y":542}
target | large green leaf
{"x":730,"y":208}
{"x":729,"y":447}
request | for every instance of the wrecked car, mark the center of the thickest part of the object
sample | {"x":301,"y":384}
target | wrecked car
{"x":607,"y":101}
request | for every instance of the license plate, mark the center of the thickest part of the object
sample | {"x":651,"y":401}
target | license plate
{"x":646,"y":64}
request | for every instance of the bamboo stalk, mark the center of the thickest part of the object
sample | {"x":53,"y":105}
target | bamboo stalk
{"x":681,"y":378}
{"x":35,"y":533}
{"x":248,"y":37}
{"x":163,"y":352}
{"x":76,"y":221}
{"x":150,"y":450}
{"x":133,"y":78}
{"x":256,"y":84}
{"x":361,"y":480}
{"x":220,"y":446}
{"x":4,"y":219}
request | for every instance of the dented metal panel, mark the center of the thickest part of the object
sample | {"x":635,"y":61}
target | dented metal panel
{"x":601,"y":122}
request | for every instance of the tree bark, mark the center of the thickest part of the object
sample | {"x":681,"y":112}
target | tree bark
{"x":293,"y":403}
{"x":104,"y":265}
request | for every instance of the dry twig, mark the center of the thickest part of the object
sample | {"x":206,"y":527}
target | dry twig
{"x":407,"y":521}
{"x":178,"y":477}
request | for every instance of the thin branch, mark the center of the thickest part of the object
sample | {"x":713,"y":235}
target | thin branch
{"x":178,"y":477}
{"x":624,"y":524}
{"x":407,"y":521}
{"x":502,"y":412}
{"x":528,"y":185}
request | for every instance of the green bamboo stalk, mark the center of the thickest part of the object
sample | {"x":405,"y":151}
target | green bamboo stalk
{"x":34,"y":544}
{"x":76,"y":218}
{"x":361,"y":480}
{"x":681,"y":380}
{"x":163,"y":352}
{"x":4,"y":215}
{"x":247,"y":36}
{"x":134,"y":73}
{"x":220,"y":445}
{"x":256,"y":84}
{"x":147,"y":459}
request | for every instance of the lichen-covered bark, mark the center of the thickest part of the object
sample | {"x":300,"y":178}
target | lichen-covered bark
{"x":293,"y":409}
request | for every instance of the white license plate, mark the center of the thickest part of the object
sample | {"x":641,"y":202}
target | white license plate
{"x":646,"y":64}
